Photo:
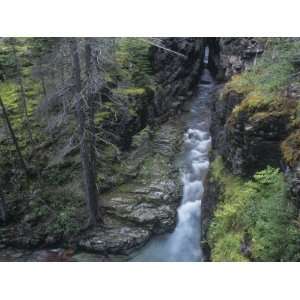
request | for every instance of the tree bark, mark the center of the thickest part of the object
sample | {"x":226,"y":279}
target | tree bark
{"x":91,"y":102}
{"x":86,"y":155}
{"x":40,"y":65}
{"x":62,"y":73}
{"x":3,"y":216}
{"x":13,"y":137}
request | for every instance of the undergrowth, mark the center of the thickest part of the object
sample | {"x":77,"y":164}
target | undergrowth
{"x":254,"y":214}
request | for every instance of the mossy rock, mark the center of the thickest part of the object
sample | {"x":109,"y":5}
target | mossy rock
{"x":131,"y":91}
{"x":291,"y":148}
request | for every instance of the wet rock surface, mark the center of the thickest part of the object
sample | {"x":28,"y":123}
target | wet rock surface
{"x":114,"y":240}
{"x":211,"y":194}
{"x":147,"y":204}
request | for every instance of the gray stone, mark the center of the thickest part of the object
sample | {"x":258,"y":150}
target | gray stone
{"x":119,"y":240}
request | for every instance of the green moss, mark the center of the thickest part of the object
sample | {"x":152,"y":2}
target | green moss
{"x":131,"y":91}
{"x":221,"y":175}
{"x":240,"y":84}
{"x":291,"y":148}
{"x":217,"y":168}
{"x":255,"y":101}
{"x":102,"y":116}
{"x":10,"y":95}
{"x":296,"y":118}
{"x":142,"y":137}
{"x":154,"y":166}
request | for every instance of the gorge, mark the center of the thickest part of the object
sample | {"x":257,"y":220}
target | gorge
{"x":184,"y":243}
{"x":196,"y":149}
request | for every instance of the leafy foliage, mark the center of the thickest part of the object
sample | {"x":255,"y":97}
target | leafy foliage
{"x":257,"y":208}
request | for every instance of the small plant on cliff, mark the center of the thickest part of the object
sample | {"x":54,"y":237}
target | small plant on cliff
{"x":263,"y":84}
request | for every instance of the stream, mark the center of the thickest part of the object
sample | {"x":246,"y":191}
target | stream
{"x":183,"y":244}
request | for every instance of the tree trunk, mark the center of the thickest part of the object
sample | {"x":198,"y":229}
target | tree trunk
{"x":13,"y":137}
{"x":42,"y":76}
{"x":22,"y":94}
{"x":91,"y":102}
{"x":87,"y":162}
{"x":62,"y":73}
{"x":2,"y":208}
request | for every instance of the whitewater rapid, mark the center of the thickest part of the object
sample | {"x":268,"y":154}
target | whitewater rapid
{"x":184,"y":243}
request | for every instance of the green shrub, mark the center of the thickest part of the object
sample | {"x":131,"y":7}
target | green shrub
{"x":228,"y":248}
{"x":258,"y":208}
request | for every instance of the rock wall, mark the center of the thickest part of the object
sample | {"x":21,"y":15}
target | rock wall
{"x":176,"y":74}
{"x":230,"y":56}
{"x":239,"y":143}
{"x":249,"y":139}
{"x":176,"y":64}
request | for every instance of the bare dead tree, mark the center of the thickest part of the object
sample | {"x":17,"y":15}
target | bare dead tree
{"x":91,"y":106}
{"x":3,"y":214}
{"x":42,"y":76}
{"x":86,"y":142}
{"x":13,"y":137}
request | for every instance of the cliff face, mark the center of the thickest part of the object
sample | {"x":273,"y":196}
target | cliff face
{"x":176,"y":65}
{"x":250,"y":129}
{"x":176,"y":74}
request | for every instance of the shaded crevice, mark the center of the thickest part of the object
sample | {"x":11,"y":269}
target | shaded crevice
{"x":213,"y":60}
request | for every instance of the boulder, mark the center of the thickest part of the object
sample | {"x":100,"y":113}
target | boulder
{"x":120,"y":240}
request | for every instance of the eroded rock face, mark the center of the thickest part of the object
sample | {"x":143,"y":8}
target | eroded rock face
{"x":209,"y":203}
{"x":177,"y":74}
{"x":247,"y":141}
{"x":236,"y":55}
{"x":253,"y":143}
{"x":293,"y":176}
{"x":221,"y":110}
{"x":147,"y":204}
{"x":238,"y":140}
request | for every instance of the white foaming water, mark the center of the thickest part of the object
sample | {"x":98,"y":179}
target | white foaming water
{"x":184,"y":243}
{"x":206,"y":55}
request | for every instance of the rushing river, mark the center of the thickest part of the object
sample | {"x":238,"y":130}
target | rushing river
{"x":184,"y":243}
